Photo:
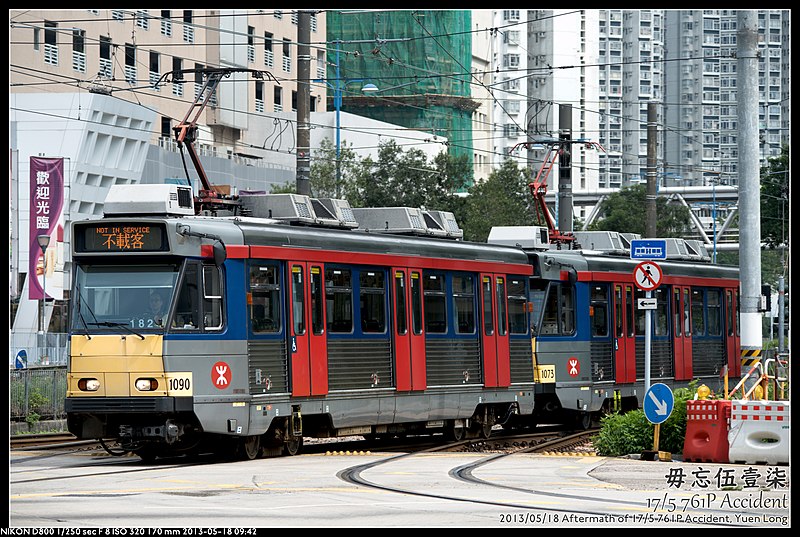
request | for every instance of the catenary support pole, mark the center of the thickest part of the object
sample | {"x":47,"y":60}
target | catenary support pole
{"x":303,"y":103}
{"x":749,"y":189}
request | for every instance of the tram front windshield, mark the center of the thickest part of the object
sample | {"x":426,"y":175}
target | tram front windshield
{"x":128,"y":297}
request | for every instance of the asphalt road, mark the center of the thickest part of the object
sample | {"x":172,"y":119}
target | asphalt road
{"x":94,"y":492}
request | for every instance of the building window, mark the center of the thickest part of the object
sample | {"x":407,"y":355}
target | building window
{"x":166,"y":23}
{"x":79,"y":50}
{"x":50,"y":43}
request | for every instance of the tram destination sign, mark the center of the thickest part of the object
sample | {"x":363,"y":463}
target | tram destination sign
{"x":648,"y":249}
{"x":121,"y":237}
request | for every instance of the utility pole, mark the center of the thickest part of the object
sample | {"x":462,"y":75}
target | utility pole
{"x":565,"y":168}
{"x":652,"y":178}
{"x":749,"y":189}
{"x":303,"y":103}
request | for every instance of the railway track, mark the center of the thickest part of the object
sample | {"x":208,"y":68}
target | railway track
{"x":500,"y":442}
{"x":24,"y":441}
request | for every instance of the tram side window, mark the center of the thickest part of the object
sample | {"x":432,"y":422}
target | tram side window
{"x":187,"y":313}
{"x":200,"y":299}
{"x":372,"y":301}
{"x":629,"y":304}
{"x":517,"y":318}
{"x":488,"y":312}
{"x":416,"y":303}
{"x":661,"y":315}
{"x":537,"y":296}
{"x":500,"y":297}
{"x":714,"y":311}
{"x":435,"y":304}
{"x":567,"y":309}
{"x":317,"y":301}
{"x":698,"y":321}
{"x":559,"y":311}
{"x":212,"y":298}
{"x":339,"y":300}
{"x":638,"y":312}
{"x":298,"y":301}
{"x":676,"y":311}
{"x":464,"y":300}
{"x":400,"y":302}
{"x":598,"y":311}
{"x":265,"y":309}
{"x":729,"y":312}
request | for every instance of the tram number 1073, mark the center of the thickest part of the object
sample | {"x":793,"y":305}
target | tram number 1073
{"x":545,"y":374}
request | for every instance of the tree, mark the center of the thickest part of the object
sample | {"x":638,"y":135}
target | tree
{"x":502,"y":200}
{"x":775,"y":199}
{"x":406,"y":179}
{"x":324,"y":183}
{"x":625,"y":212}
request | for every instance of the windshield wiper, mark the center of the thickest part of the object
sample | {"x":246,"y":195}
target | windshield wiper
{"x":117,"y":325}
{"x":80,"y":313}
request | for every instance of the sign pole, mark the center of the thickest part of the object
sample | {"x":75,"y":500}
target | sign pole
{"x":647,"y":337}
{"x":656,"y":434}
{"x":647,"y":276}
{"x":658,"y":404}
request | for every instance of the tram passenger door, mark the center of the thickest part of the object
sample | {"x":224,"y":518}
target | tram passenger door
{"x":494,"y":331}
{"x":682,"y":332}
{"x":624,"y":334}
{"x":409,"y":339}
{"x":732,"y":338}
{"x":307,"y":340}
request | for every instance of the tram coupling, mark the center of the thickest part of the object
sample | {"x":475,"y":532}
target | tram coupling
{"x":170,"y":432}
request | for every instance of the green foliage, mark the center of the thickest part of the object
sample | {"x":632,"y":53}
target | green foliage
{"x":622,"y":434}
{"x":631,"y":432}
{"x":775,"y":199}
{"x":626,"y":212}
{"x":36,"y":401}
{"x":502,"y":200}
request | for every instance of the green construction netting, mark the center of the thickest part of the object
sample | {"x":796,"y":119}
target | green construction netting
{"x":420,"y":62}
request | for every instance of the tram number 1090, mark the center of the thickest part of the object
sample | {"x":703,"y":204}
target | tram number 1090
{"x":179,"y":383}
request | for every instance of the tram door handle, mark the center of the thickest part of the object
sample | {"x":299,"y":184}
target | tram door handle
{"x":616,"y":344}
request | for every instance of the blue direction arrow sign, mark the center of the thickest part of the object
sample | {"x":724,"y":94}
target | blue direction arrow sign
{"x":21,"y":360}
{"x":658,"y":403}
{"x":649,"y":249}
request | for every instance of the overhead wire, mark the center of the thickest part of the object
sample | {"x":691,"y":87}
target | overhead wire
{"x":470,"y":72}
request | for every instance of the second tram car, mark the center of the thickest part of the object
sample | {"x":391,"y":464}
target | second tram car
{"x":269,"y":331}
{"x":589,"y":334}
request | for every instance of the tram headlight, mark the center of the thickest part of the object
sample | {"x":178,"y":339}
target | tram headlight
{"x":88,"y":385}
{"x":146,"y":385}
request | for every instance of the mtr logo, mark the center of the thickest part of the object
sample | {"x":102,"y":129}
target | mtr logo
{"x":221,"y":375}
{"x":573,"y":367}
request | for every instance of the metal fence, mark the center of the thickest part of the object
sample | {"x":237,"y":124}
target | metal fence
{"x":51,"y":348}
{"x":38,"y":393}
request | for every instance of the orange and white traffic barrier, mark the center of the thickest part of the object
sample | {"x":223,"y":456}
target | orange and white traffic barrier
{"x":759,"y":432}
{"x":706,"y":431}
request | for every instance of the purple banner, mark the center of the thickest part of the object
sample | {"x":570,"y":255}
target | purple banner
{"x":47,"y":200}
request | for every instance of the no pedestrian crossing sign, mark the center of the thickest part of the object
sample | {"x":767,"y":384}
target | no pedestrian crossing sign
{"x":658,"y":403}
{"x":647,"y":275}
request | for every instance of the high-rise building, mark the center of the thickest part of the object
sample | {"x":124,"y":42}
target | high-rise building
{"x":701,"y":96}
{"x":483,"y":133}
{"x":563,"y":56}
{"x":510,"y":87}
